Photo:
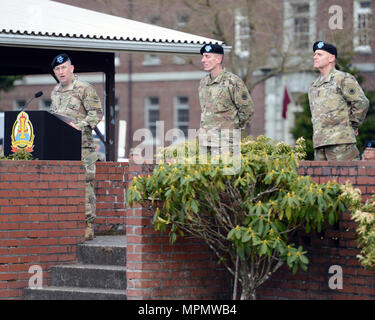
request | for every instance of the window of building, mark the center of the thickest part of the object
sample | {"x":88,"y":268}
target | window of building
{"x":18,"y":104}
{"x":181,"y":114}
{"x":299,"y":24}
{"x":152,"y":115}
{"x":241,"y":34}
{"x":117,"y":59}
{"x":362,"y":26}
{"x":181,"y":23}
{"x":45,"y":104}
{"x":152,"y":59}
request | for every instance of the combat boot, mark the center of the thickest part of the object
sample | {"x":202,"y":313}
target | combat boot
{"x":89,"y":232}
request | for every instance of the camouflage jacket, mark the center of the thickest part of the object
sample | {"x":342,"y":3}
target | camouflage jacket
{"x":78,"y":101}
{"x":225,"y":102}
{"x":338,"y":107}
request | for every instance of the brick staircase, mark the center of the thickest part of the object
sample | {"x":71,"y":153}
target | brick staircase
{"x":99,"y":274}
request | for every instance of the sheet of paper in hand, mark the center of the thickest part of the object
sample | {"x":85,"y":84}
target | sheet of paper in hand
{"x":66,"y":119}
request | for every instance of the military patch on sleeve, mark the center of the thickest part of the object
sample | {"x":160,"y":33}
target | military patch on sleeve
{"x":351,"y":90}
{"x":244,"y":97}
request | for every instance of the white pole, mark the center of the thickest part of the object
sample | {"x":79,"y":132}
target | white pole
{"x":121,"y":141}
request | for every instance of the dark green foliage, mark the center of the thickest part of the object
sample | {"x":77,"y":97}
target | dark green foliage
{"x":303,"y":127}
{"x":7,"y":82}
{"x":19,"y":155}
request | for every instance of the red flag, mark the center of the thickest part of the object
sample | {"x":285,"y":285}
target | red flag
{"x":285,"y":102}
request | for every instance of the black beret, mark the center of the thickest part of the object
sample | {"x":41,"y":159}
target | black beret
{"x":59,"y":59}
{"x":212,"y":48}
{"x":320,"y":45}
{"x":370,"y":144}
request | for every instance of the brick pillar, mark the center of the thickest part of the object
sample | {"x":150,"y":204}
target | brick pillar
{"x":110,"y":197}
{"x":42,"y":212}
{"x":157,"y":269}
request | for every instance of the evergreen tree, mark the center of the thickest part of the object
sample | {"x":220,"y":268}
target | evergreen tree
{"x":367,"y":129}
{"x":303,"y":125}
{"x":7,"y":82}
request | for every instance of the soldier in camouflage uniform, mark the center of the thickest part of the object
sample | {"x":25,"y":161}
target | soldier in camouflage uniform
{"x":225,"y":101}
{"x":338,"y":107}
{"x":78,"y":100}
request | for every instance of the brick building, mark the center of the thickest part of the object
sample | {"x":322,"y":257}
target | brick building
{"x":164,"y":87}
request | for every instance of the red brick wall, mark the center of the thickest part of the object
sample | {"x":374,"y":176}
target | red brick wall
{"x":157,"y":269}
{"x":187,"y":270}
{"x":334,"y":246}
{"x":110,"y":197}
{"x":42,"y":215}
{"x":41,"y":219}
{"x":258,"y":119}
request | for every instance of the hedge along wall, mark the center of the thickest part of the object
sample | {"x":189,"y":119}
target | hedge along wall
{"x":42,"y":215}
{"x":335,"y":246}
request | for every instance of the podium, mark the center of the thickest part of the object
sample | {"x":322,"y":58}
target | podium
{"x":43,"y":134}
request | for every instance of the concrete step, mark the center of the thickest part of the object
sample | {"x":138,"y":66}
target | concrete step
{"x":73,"y":293}
{"x":89,"y":276}
{"x":100,"y":273}
{"x":105,"y":250}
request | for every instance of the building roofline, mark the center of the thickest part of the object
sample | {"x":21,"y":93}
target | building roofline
{"x":104,"y":45}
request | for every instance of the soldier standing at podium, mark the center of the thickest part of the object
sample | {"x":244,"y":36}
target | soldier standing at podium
{"x":79,"y":101}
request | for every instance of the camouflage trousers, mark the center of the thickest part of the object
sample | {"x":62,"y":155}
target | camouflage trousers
{"x":337,"y":152}
{"x":223,"y":150}
{"x":219,"y":142}
{"x":89,"y":157}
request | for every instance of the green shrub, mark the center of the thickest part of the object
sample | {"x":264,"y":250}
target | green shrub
{"x":247,"y":218}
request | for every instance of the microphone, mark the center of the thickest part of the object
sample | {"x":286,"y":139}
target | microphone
{"x":36,"y":95}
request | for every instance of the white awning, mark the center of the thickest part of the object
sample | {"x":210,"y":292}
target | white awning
{"x":44,"y":23}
